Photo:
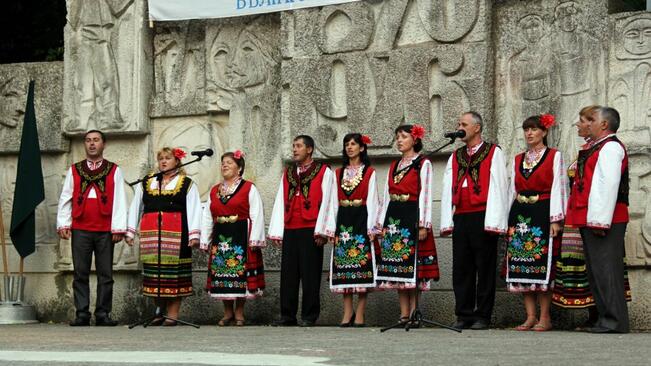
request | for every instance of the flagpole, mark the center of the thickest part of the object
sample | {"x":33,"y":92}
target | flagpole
{"x":5,"y":264}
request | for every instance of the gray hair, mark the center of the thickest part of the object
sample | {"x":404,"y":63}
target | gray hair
{"x":476,"y":118}
{"x":611,"y":116}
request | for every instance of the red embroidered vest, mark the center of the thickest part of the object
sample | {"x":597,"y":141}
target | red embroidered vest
{"x":537,"y":181}
{"x":409,"y":183}
{"x":475,"y":170}
{"x":360,"y":192}
{"x":87,"y":213}
{"x":303,"y":196}
{"x":577,"y":207}
{"x":236,"y":204}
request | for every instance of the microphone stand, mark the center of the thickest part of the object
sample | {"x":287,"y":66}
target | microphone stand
{"x":159,"y":312}
{"x":416,"y":317}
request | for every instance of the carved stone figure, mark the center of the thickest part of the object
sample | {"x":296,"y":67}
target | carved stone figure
{"x":13,"y":94}
{"x":243,"y":77}
{"x":637,"y":37}
{"x":579,"y":58}
{"x":179,"y":68}
{"x":96,"y":76}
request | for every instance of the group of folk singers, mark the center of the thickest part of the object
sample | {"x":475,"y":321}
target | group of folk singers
{"x":567,"y":252}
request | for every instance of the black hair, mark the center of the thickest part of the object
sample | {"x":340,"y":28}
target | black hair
{"x":535,"y":122}
{"x":418,"y":143}
{"x":240,"y":162}
{"x":363,"y":155}
{"x":307,"y":140}
{"x":102,"y":135}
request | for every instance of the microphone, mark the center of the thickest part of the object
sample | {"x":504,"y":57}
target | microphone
{"x":202,"y":153}
{"x":455,"y":134}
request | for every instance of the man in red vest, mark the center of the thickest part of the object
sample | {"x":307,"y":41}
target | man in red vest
{"x":474,"y":209}
{"x":598,"y":205}
{"x":93,"y":212}
{"x":302,"y":221}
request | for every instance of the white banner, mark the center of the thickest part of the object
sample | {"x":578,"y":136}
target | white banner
{"x":201,"y":9}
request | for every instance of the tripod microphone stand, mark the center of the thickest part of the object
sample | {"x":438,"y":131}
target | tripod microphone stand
{"x":158,"y":314}
{"x":416,"y":316}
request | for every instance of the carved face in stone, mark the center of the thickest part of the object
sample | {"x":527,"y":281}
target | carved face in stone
{"x":637,"y":36}
{"x":12,"y":101}
{"x":241,"y":59}
{"x":532,"y":28}
{"x":567,"y":16}
{"x":189,"y":138}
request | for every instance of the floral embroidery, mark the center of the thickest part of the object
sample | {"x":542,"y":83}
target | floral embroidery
{"x":350,"y":250}
{"x":526,"y":242}
{"x":227,"y":259}
{"x":396,"y":244}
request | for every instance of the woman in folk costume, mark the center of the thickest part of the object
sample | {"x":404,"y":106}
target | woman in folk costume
{"x":407,"y":260}
{"x":352,"y":264}
{"x":571,"y":285}
{"x":168,"y":277}
{"x":232,"y":229}
{"x":538,"y":193}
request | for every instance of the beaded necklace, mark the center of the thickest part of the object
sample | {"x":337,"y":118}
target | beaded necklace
{"x":352,"y":177}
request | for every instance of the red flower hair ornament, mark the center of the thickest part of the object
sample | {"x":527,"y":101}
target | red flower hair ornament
{"x":366,"y":140}
{"x":238,"y":154}
{"x":178,"y":153}
{"x":547,"y":120}
{"x":417,"y":132}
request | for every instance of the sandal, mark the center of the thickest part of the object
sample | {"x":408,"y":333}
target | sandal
{"x":224,"y":322}
{"x":541,"y":328}
{"x":527,"y":325}
{"x":239,"y":322}
{"x":156,"y":321}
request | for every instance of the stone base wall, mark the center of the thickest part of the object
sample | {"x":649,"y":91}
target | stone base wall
{"x":252,"y":83}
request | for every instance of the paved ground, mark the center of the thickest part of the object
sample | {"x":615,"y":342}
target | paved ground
{"x":63,"y":345}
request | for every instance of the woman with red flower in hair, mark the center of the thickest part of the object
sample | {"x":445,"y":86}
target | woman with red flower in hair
{"x":232,"y":230}
{"x":352,"y":264}
{"x":407,"y":260}
{"x":538,"y":197}
{"x":179,"y":203}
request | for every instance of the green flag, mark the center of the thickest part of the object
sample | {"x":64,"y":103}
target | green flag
{"x":29,"y":184}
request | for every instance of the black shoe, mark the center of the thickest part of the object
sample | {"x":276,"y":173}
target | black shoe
{"x":80,"y":322}
{"x":349,"y":323}
{"x":479,"y":324}
{"x":462,"y":324}
{"x":601,"y":330}
{"x":105,"y":321}
{"x":307,"y":323}
{"x":284,"y":323}
{"x":359,"y":325}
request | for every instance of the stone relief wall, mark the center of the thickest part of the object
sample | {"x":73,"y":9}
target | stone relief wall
{"x":630,"y":92}
{"x":103,"y":67}
{"x":550,"y":58}
{"x":371,"y":66}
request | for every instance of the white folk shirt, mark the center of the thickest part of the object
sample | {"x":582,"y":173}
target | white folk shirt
{"x":192,"y":206}
{"x":326,"y":221}
{"x":424,"y":197}
{"x":372,"y":203}
{"x":255,"y":224}
{"x":119,"y":212}
{"x":605,"y":184}
{"x":558,"y":194}
{"x":497,"y":205}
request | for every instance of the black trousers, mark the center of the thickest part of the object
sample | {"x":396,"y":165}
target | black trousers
{"x":474,"y":257}
{"x":605,"y":265}
{"x":302,"y":260}
{"x":84,"y":244}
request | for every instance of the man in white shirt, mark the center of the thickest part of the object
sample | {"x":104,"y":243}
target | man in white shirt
{"x":93,"y":212}
{"x":474,"y":210}
{"x":598,"y":206}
